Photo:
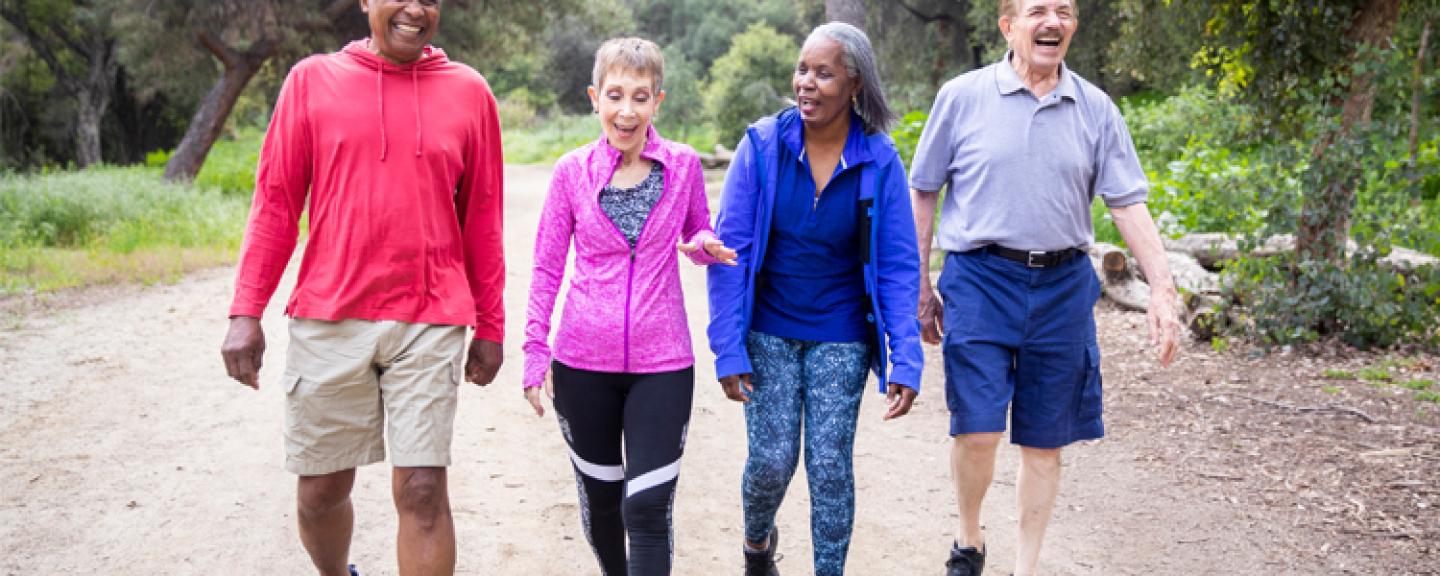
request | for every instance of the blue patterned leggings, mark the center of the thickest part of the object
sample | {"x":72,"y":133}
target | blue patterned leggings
{"x":819,"y":383}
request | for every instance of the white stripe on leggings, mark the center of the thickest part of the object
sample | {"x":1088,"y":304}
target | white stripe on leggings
{"x":597,"y":471}
{"x":653,"y":478}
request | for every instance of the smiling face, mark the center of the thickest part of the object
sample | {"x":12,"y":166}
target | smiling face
{"x":1039,"y":32}
{"x":400,"y":29}
{"x":626,"y":102}
{"x":823,"y":86}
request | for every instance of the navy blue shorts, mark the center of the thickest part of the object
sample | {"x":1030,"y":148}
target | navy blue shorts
{"x":1021,"y":340}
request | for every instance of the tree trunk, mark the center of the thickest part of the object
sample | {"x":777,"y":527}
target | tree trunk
{"x":848,"y":11}
{"x":209,"y":118}
{"x":1325,"y":216}
{"x":87,"y":126}
{"x":1415,"y":89}
{"x":91,"y":88}
{"x":93,"y":98}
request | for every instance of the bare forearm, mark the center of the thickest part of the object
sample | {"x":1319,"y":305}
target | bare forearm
{"x":924,"y":205}
{"x":1140,"y":234}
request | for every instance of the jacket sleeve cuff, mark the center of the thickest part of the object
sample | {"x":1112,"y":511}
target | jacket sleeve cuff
{"x":535,"y":367}
{"x":491,"y":333}
{"x":907,"y":376}
{"x":732,"y":364}
{"x":701,"y":257}
{"x":242,"y":309}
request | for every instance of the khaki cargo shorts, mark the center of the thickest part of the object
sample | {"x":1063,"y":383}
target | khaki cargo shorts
{"x":345,"y":381}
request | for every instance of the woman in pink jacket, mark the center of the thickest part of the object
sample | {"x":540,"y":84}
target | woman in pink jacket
{"x":622,"y":362}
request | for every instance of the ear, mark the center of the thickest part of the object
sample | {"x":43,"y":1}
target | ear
{"x":659,"y":97}
{"x":1005,"y":25}
{"x":594,"y":98}
{"x":365,"y":6}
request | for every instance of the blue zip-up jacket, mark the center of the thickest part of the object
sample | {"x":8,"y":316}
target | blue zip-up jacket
{"x":892,"y":264}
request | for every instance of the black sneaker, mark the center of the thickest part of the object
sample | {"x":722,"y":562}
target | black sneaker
{"x":965,"y":561}
{"x":762,"y":562}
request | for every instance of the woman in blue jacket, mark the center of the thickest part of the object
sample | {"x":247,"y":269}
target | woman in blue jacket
{"x":817,"y":207}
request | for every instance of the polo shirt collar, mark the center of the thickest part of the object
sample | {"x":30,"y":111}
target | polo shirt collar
{"x":1008,"y":82}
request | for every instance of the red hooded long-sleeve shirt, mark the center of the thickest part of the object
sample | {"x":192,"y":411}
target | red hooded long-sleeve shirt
{"x":404,"y":172}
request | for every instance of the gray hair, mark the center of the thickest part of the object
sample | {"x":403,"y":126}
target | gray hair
{"x":859,"y":60}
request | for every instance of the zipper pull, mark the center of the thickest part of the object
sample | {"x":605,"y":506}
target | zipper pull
{"x":632,"y":253}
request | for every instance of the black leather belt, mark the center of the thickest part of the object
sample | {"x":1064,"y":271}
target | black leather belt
{"x":1034,"y":258}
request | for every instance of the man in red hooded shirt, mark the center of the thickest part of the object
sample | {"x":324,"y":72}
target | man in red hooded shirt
{"x":399,"y":151}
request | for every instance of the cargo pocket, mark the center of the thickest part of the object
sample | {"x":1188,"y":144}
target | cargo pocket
{"x":1091,"y":391}
{"x":290,"y":382}
{"x":294,"y":412}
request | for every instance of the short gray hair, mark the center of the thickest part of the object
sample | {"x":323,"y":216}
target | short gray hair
{"x":859,"y":60}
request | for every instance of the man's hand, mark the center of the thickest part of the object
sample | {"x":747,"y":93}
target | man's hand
{"x":899,"y":398}
{"x":931,"y":312}
{"x":736,"y":387}
{"x":483,"y":361}
{"x":1164,"y":325}
{"x":243,"y":350}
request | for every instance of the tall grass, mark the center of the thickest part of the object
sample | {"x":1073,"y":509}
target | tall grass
{"x":230,"y":167}
{"x":106,"y":224}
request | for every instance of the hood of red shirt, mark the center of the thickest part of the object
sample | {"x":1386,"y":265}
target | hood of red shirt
{"x":431,"y":59}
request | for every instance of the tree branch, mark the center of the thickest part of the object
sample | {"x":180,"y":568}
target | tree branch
{"x":225,"y":53}
{"x":926,"y":18}
{"x":58,"y":30}
{"x":338,"y":8}
{"x":1415,"y":87}
{"x":42,"y":48}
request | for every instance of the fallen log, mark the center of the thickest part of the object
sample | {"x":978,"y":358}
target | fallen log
{"x":720,"y":159}
{"x":1211,"y":249}
{"x":1118,"y":281}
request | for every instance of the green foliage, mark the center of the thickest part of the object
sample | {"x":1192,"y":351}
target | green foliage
{"x":1427,"y":396}
{"x":1374,"y":374}
{"x":703,"y":30}
{"x":683,"y":107}
{"x":580,"y":33}
{"x":1330,"y":389}
{"x":230,"y":167}
{"x":549,"y":138}
{"x":907,"y":135}
{"x":1336,"y":374}
{"x":121,"y":209}
{"x":516,"y":110}
{"x":105,"y":224}
{"x":750,"y":81}
{"x":1417,"y":384}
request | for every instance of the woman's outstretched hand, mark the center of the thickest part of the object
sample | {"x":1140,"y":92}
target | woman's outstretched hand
{"x":712,"y":246}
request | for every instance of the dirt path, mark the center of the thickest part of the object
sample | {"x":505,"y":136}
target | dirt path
{"x":124,"y":449}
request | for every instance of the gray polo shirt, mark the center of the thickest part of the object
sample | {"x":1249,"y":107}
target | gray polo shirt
{"x":1023,"y":171}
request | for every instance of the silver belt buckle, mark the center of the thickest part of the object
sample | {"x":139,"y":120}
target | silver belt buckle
{"x":1030,"y":260}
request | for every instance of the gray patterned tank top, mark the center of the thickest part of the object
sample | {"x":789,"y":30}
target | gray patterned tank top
{"x":628,"y":207}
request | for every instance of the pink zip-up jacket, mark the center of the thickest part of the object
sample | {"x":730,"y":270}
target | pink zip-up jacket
{"x":624,"y":311}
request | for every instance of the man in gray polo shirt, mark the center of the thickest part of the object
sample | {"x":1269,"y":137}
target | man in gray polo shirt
{"x":1025,"y":145}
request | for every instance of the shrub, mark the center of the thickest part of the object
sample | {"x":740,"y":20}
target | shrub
{"x":105,"y":224}
{"x":749,"y":81}
{"x":230,"y":166}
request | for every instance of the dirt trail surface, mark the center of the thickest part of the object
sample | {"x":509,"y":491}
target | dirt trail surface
{"x":124,"y":449}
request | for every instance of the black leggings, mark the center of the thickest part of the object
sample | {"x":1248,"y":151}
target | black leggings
{"x":635,"y":494}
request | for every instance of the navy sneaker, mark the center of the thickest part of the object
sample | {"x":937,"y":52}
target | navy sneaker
{"x":353,"y":571}
{"x":965,"y":561}
{"x":762,"y":562}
